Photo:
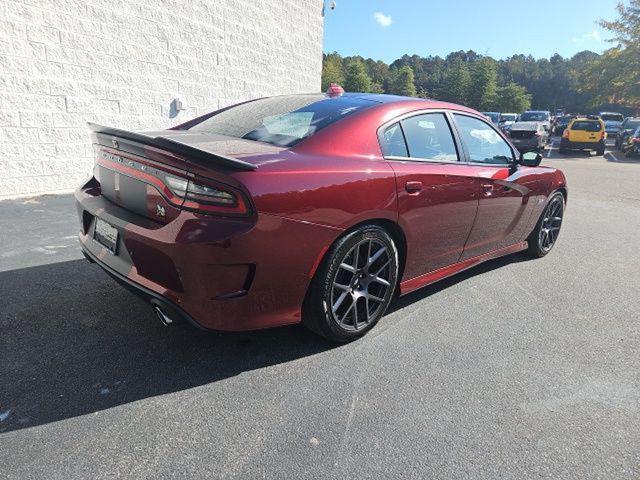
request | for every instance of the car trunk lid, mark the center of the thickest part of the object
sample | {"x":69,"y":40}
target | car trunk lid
{"x":155,"y":174}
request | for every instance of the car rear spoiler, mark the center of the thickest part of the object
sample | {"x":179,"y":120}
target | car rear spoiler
{"x":173,"y":146}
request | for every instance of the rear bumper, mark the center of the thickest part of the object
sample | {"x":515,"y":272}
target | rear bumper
{"x":564,"y":143}
{"x":526,"y":145}
{"x":215,"y":272}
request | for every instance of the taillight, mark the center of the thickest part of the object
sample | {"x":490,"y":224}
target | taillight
{"x":196,"y":194}
{"x":603,"y":135}
{"x":206,"y":198}
{"x":636,"y":140}
{"x":565,"y":134}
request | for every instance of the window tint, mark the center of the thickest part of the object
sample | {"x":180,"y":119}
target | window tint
{"x":284,"y":120}
{"x":429,"y":137}
{"x":483,"y":142}
{"x":585,"y":125}
{"x":534,"y":117}
{"x":392,"y":142}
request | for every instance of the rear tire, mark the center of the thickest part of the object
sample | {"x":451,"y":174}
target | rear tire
{"x":600,"y":152}
{"x":353,"y":286}
{"x":545,"y":235}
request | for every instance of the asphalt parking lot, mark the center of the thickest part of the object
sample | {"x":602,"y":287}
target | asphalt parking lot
{"x":515,"y":369}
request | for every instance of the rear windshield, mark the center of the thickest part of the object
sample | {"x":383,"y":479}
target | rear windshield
{"x":616,"y":117}
{"x":508,"y":117}
{"x":534,"y":117}
{"x":588,"y":126}
{"x":282,"y":121}
{"x":632,"y":125}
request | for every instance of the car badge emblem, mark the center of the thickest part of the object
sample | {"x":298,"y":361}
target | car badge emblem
{"x":114,"y":143}
{"x":160,"y":211}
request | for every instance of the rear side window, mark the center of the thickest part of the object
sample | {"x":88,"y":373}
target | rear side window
{"x":429,"y":137}
{"x":585,"y":125}
{"x":282,"y":121}
{"x":392,"y":142}
{"x":483,"y":142}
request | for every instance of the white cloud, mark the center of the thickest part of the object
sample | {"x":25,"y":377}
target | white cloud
{"x":593,"y":36}
{"x":383,"y":20}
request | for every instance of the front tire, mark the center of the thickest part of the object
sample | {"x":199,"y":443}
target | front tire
{"x":353,"y":286}
{"x":547,"y":230}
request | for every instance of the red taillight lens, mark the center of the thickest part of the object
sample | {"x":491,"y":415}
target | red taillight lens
{"x":211,"y":198}
{"x":636,"y":140}
{"x":199,"y":194}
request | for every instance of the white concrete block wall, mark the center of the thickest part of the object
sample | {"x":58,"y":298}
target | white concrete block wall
{"x":121,"y":63}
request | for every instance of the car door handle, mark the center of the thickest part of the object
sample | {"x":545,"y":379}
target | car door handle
{"x":413,"y":187}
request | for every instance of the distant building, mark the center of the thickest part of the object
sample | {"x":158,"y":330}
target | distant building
{"x":66,"y":62}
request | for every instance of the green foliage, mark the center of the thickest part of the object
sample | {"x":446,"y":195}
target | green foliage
{"x":456,"y":84}
{"x":403,"y":82}
{"x":614,"y":77}
{"x":356,"y":77}
{"x":583,"y":83}
{"x":513,"y":98}
{"x":332,"y":70}
{"x":483,"y":91}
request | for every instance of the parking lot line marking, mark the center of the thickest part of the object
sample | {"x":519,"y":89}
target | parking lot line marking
{"x":615,"y":159}
{"x":550,"y":149}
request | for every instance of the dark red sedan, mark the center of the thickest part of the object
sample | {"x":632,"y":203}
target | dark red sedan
{"x":314,"y":208}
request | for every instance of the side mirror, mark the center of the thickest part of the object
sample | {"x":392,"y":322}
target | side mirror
{"x":530,"y":159}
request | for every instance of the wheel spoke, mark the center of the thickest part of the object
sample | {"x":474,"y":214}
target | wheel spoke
{"x":339,"y":286}
{"x":341,"y":298}
{"x":347,"y":267}
{"x":381,"y":268}
{"x":376,"y":256}
{"x":380,"y":280}
{"x":355,"y":313}
{"x":377,"y":299}
{"x":346,"y":313}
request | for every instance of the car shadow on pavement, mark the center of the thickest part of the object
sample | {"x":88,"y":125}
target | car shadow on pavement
{"x":74,"y":342}
{"x":619,"y":157}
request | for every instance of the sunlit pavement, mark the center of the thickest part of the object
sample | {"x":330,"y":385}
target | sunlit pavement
{"x":516,"y":369}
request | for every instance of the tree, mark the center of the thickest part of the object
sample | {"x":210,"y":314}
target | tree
{"x":356,"y":78}
{"x":483,"y":92}
{"x":332,"y":70}
{"x":457,"y":79}
{"x":513,"y":98}
{"x":614,"y":77}
{"x":403,"y":83}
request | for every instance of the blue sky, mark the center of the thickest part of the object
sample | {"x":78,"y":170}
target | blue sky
{"x":386,"y":29}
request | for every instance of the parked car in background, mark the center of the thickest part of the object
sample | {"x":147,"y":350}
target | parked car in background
{"x":587,"y":133}
{"x":542,"y":116}
{"x":529,"y":136}
{"x":506,"y":120}
{"x":314,"y":208}
{"x":631,"y":145}
{"x":493,"y":116}
{"x":612,"y":122}
{"x":561,"y":123}
{"x":627,"y":128}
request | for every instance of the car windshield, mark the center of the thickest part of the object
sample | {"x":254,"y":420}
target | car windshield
{"x":632,"y":125}
{"x":282,"y":121}
{"x":508,"y":117}
{"x":534,"y":117}
{"x":586,"y":125}
{"x":564,"y":120}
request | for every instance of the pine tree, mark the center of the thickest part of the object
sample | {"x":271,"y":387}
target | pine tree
{"x":483,"y":92}
{"x":403,"y":82}
{"x":356,"y":78}
{"x":456,"y":83}
{"x":332,"y":70}
{"x":513,"y":98}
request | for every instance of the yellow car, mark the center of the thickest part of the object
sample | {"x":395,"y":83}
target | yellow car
{"x":586,"y":133}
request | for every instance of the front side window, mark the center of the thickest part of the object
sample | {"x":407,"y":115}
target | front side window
{"x":483,"y":142}
{"x":429,"y":137}
{"x":282,"y":121}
